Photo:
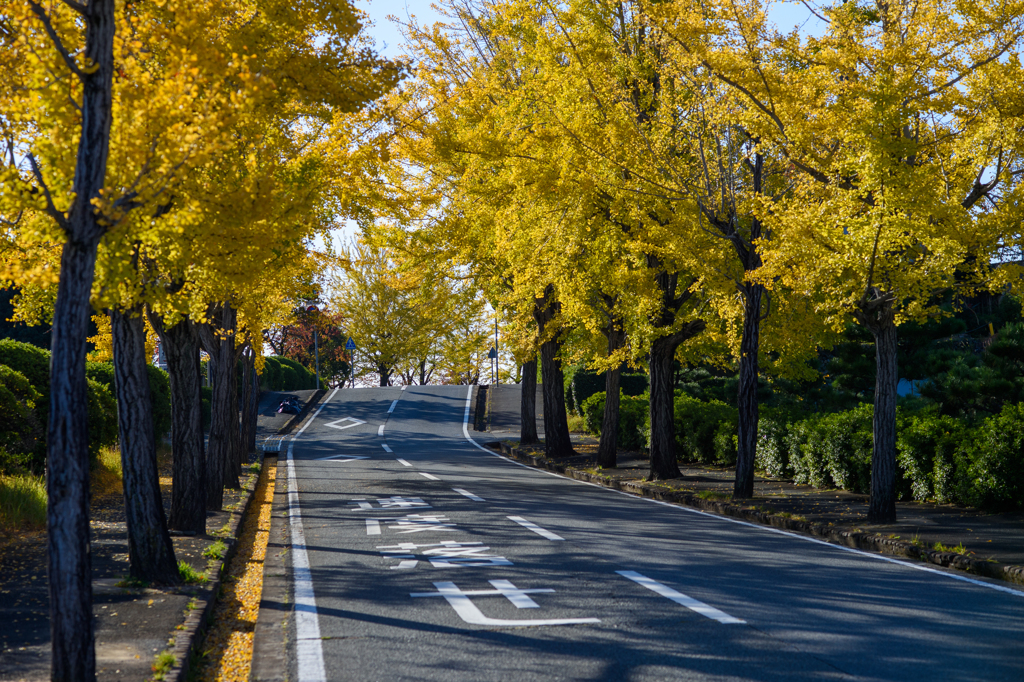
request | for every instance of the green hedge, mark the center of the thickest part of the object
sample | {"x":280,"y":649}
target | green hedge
{"x":585,"y":383}
{"x":284,"y":374}
{"x":705,"y":431}
{"x":633,"y":422}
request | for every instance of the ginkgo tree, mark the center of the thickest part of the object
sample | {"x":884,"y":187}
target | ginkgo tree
{"x":897,"y":125}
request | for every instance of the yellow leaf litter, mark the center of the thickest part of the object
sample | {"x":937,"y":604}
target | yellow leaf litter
{"x":228,"y":646}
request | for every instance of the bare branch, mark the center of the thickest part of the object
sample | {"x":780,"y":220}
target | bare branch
{"x":77,"y":6}
{"x":51,"y":210}
{"x":38,"y":10}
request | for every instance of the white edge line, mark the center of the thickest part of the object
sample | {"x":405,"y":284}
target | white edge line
{"x":769,"y":529}
{"x":309,"y":650}
{"x":686,"y":600}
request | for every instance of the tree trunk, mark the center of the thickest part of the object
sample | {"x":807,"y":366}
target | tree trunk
{"x":222,"y":463}
{"x":67,"y":448}
{"x":607,"y":449}
{"x":188,"y":486}
{"x":662,"y":402}
{"x":250,"y":403}
{"x":528,"y":404}
{"x":663,"y":445}
{"x":743,"y":487}
{"x":882,"y":508}
{"x":150,"y":553}
{"x":556,"y":422}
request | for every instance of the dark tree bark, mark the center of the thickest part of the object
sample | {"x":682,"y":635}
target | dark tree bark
{"x":607,"y":449}
{"x":556,"y":422}
{"x":67,"y":480}
{"x":222,"y":462}
{"x":150,"y":553}
{"x":528,"y":404}
{"x":747,"y":393}
{"x":188,"y":488}
{"x":877,"y":314}
{"x":250,"y":402}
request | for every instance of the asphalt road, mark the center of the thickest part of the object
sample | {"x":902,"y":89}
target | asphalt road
{"x":419,"y":556}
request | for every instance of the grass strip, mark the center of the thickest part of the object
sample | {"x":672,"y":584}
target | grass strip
{"x":227,"y":655}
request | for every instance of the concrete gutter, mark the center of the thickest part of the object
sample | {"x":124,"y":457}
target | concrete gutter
{"x":857,"y":540}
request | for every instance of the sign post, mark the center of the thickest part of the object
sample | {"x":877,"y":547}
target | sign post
{"x":350,"y":346}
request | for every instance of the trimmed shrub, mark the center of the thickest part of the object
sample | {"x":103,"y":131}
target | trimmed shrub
{"x":928,"y":452}
{"x":22,"y":436}
{"x":833,"y":450}
{"x":772,"y":455}
{"x":284,"y":374}
{"x":995,"y":475}
{"x":206,"y":402}
{"x":160,"y":390}
{"x":103,"y":373}
{"x":102,"y":411}
{"x":705,"y":431}
{"x":633,"y":419}
{"x":34,"y":364}
{"x":633,"y":384}
{"x":580,"y":386}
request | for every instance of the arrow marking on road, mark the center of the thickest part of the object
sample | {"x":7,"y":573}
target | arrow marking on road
{"x":355,"y":422}
{"x":343,"y":458}
{"x":467,"y":610}
{"x":535,"y":528}
{"x":680,"y":598}
{"x":468,"y":494}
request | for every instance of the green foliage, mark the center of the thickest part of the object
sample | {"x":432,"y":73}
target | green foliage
{"x":633,"y":419}
{"x":216,"y":550}
{"x":995,"y":475}
{"x":160,"y":392}
{"x":772,"y":456}
{"x":34,"y":363}
{"x":929,"y":453}
{"x":189,"y":575}
{"x":102,"y":417}
{"x":705,"y":431}
{"x":22,"y":503}
{"x":21,"y":435}
{"x":284,"y":374}
{"x":206,"y":405}
{"x":103,"y":373}
{"x":581,"y":385}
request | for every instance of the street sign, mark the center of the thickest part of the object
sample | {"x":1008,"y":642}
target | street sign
{"x":350,"y":344}
{"x":492,"y":353}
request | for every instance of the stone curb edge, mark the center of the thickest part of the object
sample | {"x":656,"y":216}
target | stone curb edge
{"x":190,"y":636}
{"x":857,"y":540}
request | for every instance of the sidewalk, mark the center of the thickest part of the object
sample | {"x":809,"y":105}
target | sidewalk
{"x":830,"y":513}
{"x":133,"y":625}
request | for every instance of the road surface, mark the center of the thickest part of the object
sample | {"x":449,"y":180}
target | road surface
{"x":418,"y":555}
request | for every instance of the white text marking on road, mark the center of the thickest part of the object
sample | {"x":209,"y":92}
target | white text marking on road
{"x":404,"y":463}
{"x":430,"y":476}
{"x":680,"y":598}
{"x":372,"y":527}
{"x":535,"y":528}
{"x":468,"y":494}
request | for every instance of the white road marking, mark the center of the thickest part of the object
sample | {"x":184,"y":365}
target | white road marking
{"x":404,"y":463}
{"x":392,"y":408}
{"x":447,"y":554}
{"x":373,"y":526}
{"x":395,"y":502}
{"x":334,"y":424}
{"x":430,"y":476}
{"x":342,"y":458}
{"x":419,"y":523}
{"x":467,"y":610}
{"x":680,"y":598}
{"x":767,"y":529}
{"x":535,"y":528}
{"x":309,"y":651}
{"x":404,"y":387}
{"x":468,"y":494}
{"x":386,"y":448}
{"x":380,"y":431}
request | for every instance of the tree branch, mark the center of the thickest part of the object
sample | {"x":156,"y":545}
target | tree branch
{"x":51,"y":210}
{"x":38,"y":10}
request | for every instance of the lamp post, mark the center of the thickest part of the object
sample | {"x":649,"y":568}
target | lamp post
{"x":316,"y":346}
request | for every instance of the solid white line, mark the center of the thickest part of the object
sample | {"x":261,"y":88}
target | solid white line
{"x":372,"y":527}
{"x":468,"y":494}
{"x":404,"y":463}
{"x":392,"y":408}
{"x":309,"y":652}
{"x":380,"y":431}
{"x":680,"y":598}
{"x":430,"y":476}
{"x":535,"y":528}
{"x":386,"y":448}
{"x":769,"y":529}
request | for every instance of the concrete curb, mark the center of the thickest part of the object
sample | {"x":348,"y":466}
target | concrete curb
{"x":273,"y":624}
{"x":188,"y":639}
{"x":857,"y":540}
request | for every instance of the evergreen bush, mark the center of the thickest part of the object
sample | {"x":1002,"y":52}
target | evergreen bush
{"x":703,"y":430}
{"x":633,"y":419}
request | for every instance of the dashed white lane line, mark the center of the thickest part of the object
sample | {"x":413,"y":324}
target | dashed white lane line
{"x":430,"y":476}
{"x":535,"y":528}
{"x":392,"y":408}
{"x":380,"y":430}
{"x":468,"y":494}
{"x":404,"y":463}
{"x":404,"y":387}
{"x":385,"y":446}
{"x":680,"y":598}
{"x":372,"y":527}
